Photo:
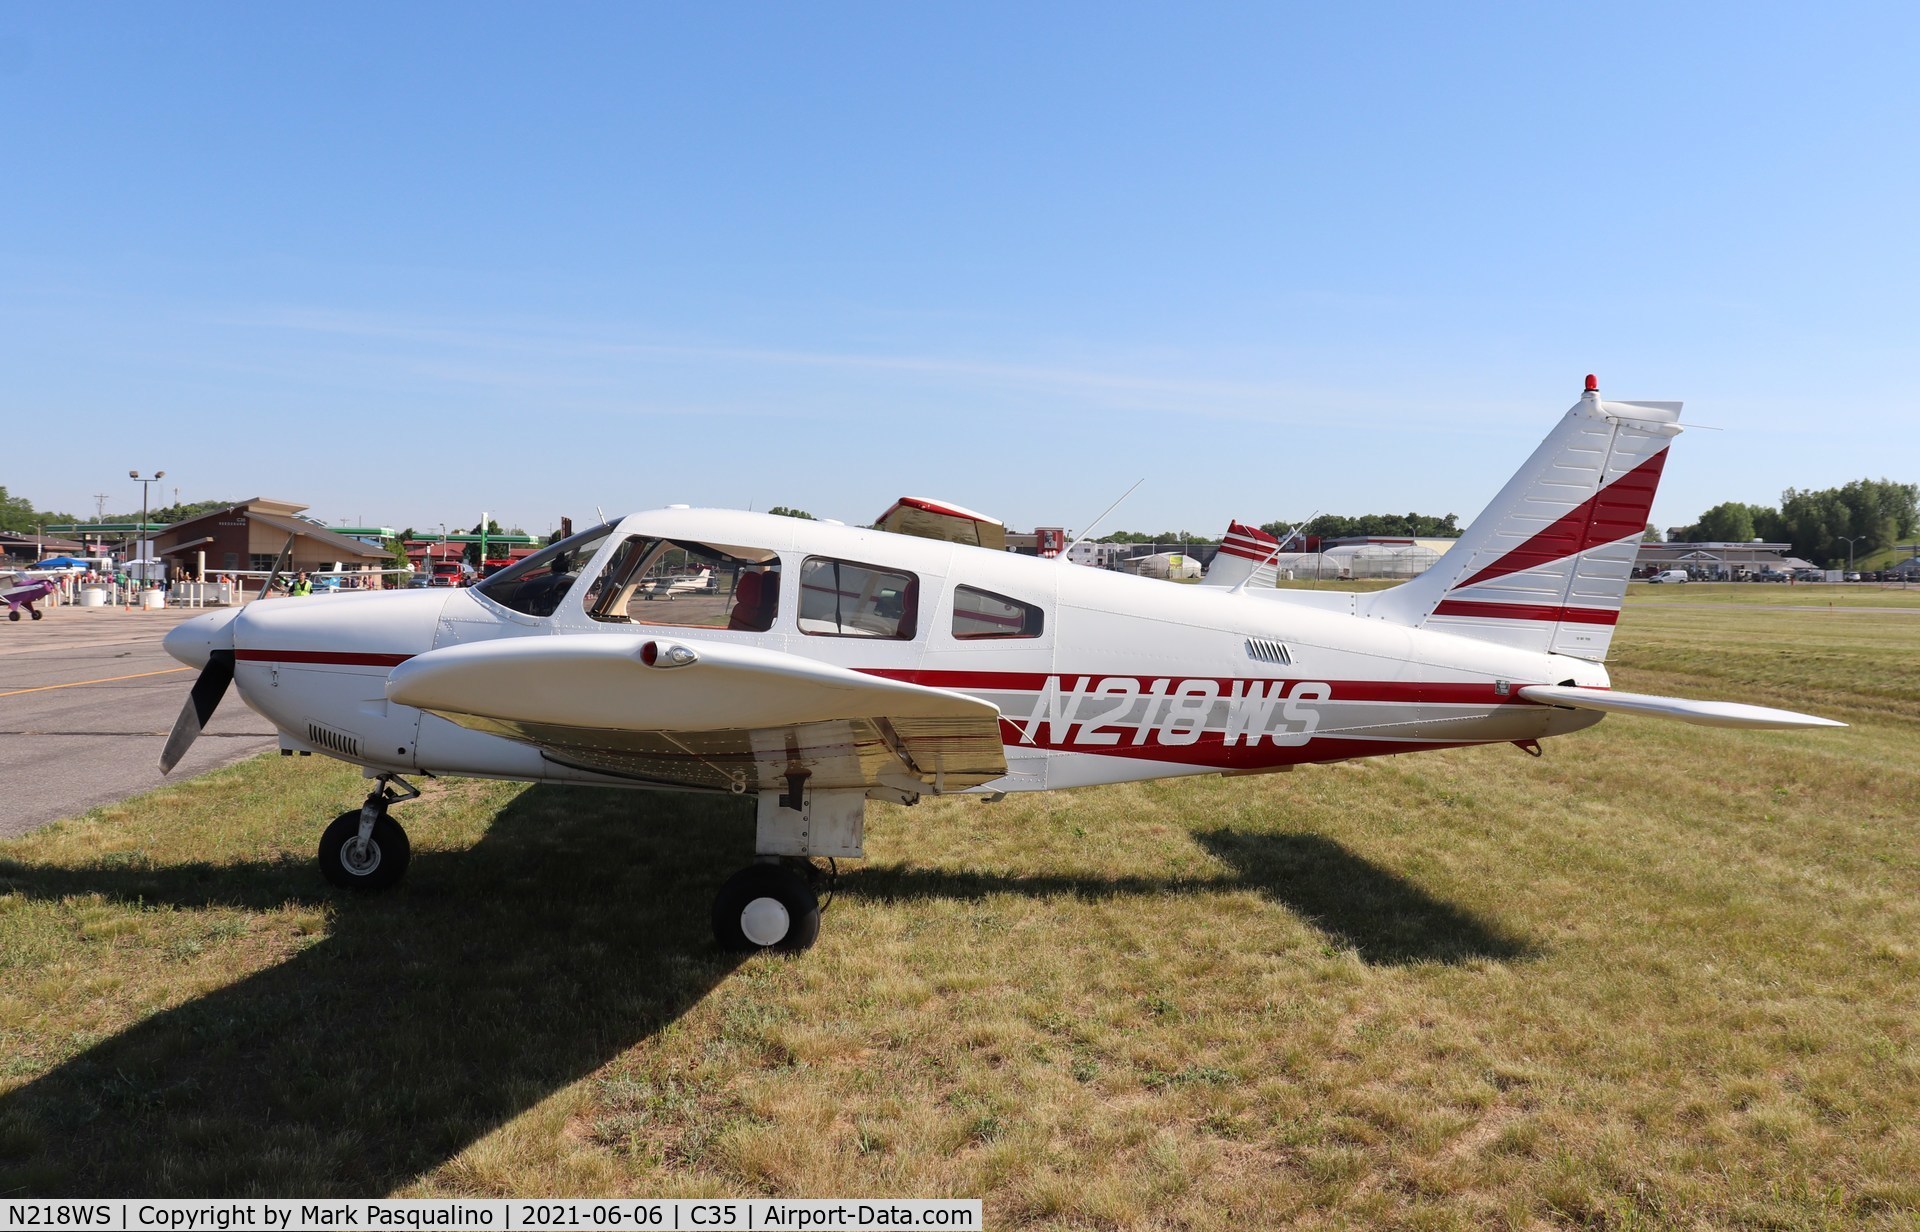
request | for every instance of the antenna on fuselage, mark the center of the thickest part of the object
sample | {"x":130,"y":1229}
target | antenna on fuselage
{"x":600,"y":515}
{"x":1068,"y":552}
{"x":1274,"y":555}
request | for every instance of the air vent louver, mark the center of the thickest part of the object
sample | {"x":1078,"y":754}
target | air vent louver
{"x":1269,"y":652}
{"x":336,"y":742}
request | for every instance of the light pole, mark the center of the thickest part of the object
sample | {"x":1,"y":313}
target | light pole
{"x":156,"y":477}
{"x":1851,"y":540}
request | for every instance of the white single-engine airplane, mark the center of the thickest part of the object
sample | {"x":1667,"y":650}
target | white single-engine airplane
{"x":833,"y":665}
{"x":666,"y":586}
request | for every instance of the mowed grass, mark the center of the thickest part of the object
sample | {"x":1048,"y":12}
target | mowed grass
{"x":1665,"y":976}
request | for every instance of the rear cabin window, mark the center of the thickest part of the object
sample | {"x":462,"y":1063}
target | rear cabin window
{"x":688,"y":584}
{"x":839,"y":598}
{"x":983,"y":614}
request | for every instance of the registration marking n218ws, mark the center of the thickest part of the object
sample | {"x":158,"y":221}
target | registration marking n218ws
{"x":1108,"y":710}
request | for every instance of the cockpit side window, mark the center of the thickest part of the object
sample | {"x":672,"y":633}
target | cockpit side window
{"x":688,"y":584}
{"x":536,"y":585}
{"x":983,"y":614}
{"x":839,"y":598}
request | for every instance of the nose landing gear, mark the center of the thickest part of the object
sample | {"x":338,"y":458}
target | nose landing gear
{"x":364,"y":848}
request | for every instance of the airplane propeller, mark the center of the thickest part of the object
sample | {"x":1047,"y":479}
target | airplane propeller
{"x":206,"y":695}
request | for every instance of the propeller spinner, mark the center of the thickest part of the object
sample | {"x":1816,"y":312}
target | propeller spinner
{"x":205,"y":642}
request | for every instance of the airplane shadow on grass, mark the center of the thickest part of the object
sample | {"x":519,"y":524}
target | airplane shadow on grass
{"x":1384,"y":918}
{"x":496,"y":976}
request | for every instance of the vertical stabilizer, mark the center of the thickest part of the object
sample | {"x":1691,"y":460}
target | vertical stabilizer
{"x":1245,"y":551}
{"x":1545,"y":566}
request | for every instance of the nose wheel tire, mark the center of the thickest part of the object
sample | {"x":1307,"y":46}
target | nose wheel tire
{"x":375,"y":865}
{"x":766,"y":907}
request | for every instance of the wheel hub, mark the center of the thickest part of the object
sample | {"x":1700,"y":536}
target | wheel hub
{"x":765,"y":921}
{"x":360,"y":858}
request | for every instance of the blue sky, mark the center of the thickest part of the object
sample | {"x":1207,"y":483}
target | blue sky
{"x":409,"y":262}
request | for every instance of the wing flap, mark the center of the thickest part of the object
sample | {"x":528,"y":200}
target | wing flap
{"x":707,"y":714}
{"x":1706,"y":714}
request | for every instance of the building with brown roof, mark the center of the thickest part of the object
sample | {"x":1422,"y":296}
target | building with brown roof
{"x":252,"y":534}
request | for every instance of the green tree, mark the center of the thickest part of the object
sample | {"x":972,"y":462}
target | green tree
{"x":1384,"y":525}
{"x":16,"y":513}
{"x":1874,"y":513}
{"x":397,"y":555}
{"x":165,"y":514}
{"x":783,"y":511}
{"x":1727,"y":522}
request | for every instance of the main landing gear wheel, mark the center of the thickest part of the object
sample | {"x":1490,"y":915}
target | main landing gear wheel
{"x":376,"y":864}
{"x":15,"y":614}
{"x":35,"y":612}
{"x":766,"y":907}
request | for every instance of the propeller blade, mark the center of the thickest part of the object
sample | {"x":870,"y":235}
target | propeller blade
{"x":279,"y":563}
{"x":206,"y":695}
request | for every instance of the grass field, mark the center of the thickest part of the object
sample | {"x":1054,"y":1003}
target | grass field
{"x":1664,"y":977}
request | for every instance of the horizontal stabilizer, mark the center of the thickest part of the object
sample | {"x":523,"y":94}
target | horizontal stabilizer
{"x":1706,"y":714}
{"x":1245,"y":557}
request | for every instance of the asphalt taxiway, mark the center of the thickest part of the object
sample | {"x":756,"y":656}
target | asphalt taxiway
{"x":87,"y":697}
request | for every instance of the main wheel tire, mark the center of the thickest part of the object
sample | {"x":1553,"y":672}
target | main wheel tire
{"x":378,"y":867}
{"x":766,"y":907}
{"x":14,"y":614}
{"x":35,"y":612}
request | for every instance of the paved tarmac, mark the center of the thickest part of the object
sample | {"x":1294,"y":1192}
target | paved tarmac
{"x":87,"y":697}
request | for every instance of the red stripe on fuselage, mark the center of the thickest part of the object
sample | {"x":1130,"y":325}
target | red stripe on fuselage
{"x":1212,"y":751}
{"x":338,"y":658}
{"x":1342,"y":690}
{"x":1617,"y":511}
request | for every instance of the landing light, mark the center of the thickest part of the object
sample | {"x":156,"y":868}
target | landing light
{"x":653,"y":654}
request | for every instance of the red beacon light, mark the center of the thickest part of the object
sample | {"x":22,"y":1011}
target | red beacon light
{"x":1593,"y":383}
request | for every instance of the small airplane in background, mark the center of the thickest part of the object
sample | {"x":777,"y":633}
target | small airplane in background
{"x":666,"y":587}
{"x":20,"y":593}
{"x":281,"y":578}
{"x":832,"y":665}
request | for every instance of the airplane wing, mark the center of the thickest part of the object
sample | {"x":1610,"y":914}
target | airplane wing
{"x":1706,"y":714}
{"x":707,"y":714}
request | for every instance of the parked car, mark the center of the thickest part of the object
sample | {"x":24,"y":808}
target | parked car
{"x":1770,"y":575}
{"x":1669,"y":575}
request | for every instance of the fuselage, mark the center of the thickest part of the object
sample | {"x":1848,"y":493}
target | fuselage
{"x":1099,"y":677}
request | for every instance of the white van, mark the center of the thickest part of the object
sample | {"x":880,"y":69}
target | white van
{"x":1669,"y":575}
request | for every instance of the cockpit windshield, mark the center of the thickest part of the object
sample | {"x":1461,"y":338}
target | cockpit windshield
{"x":536,"y":585}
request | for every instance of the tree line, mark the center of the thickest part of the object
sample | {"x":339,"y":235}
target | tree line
{"x":1325,"y":526}
{"x":20,"y":516}
{"x":1875,"y":513}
